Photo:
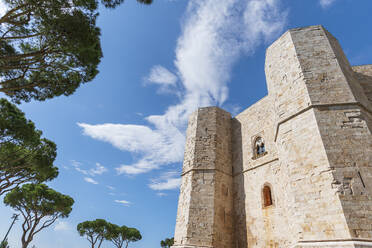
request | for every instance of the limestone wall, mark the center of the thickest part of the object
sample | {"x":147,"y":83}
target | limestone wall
{"x":314,"y":209}
{"x":348,"y":143}
{"x":364,"y":75}
{"x":204,"y":216}
{"x":255,"y":225}
{"x":257,"y":120}
{"x":284,"y":79}
{"x":321,"y":144}
{"x":180,"y":236}
{"x":341,"y":74}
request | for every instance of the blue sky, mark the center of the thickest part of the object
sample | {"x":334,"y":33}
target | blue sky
{"x":120,"y":137}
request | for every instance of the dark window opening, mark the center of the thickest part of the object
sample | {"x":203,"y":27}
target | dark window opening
{"x":260,"y":147}
{"x":267,"y":198}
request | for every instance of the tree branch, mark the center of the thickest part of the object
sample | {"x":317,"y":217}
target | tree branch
{"x":5,"y":90}
{"x":2,"y":19}
{"x":46,"y":224}
{"x":20,"y":37}
{"x":42,"y":51}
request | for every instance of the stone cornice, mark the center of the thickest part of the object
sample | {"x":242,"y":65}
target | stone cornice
{"x":318,"y":106}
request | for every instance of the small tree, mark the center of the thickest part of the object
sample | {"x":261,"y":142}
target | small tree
{"x":122,"y":235}
{"x":40,"y":207}
{"x":95,"y":231}
{"x":4,"y":244}
{"x":24,"y":155}
{"x":167,"y":243}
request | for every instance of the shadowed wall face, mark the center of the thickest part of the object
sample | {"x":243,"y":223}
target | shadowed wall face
{"x":363,"y":74}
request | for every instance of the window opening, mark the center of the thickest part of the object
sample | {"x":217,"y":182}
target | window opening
{"x":260,"y":146}
{"x":268,"y":200}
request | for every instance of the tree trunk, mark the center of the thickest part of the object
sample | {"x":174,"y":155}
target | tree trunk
{"x":25,"y":244}
{"x":100,"y":243}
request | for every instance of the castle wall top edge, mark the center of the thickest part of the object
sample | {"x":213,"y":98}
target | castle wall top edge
{"x":294,"y":30}
{"x":364,"y":68}
{"x":256,"y":104}
{"x":363,"y":65}
{"x":211,"y":108}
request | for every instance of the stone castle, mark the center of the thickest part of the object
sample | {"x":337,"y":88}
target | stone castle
{"x":294,"y":169}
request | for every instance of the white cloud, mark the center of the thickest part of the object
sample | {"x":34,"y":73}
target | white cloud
{"x":214,"y":35}
{"x":62,"y":226}
{"x":326,"y":3}
{"x":234,"y":109}
{"x":90,"y":180}
{"x":3,"y":8}
{"x":171,"y":183}
{"x":110,"y":187}
{"x":97,"y":170}
{"x":76,"y":163}
{"x":162,"y":76}
{"x":167,"y":181}
{"x":161,"y":194}
{"x":124,"y":202}
{"x":153,"y":145}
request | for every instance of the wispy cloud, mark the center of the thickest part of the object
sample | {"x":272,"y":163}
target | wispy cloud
{"x":157,"y":147}
{"x":124,"y":202}
{"x":62,"y":226}
{"x":214,"y":35}
{"x":168,"y":181}
{"x":110,"y":187}
{"x":90,"y":180}
{"x":3,"y":8}
{"x":326,"y":3}
{"x":162,"y":76}
{"x":97,"y":170}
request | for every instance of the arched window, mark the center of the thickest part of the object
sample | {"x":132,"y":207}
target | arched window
{"x":259,"y":147}
{"x":267,"y":197}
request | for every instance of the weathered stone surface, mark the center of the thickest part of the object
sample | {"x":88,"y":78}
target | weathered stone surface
{"x":316,"y":127}
{"x":364,"y":75}
{"x":205,"y":217}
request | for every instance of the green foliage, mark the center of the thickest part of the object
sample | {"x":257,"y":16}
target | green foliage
{"x":167,"y":243}
{"x":40,"y":207}
{"x":122,"y":235}
{"x":95,"y":231}
{"x":49,"y":48}
{"x":24,"y":155}
{"x":98,"y":230}
{"x":4,"y":244}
